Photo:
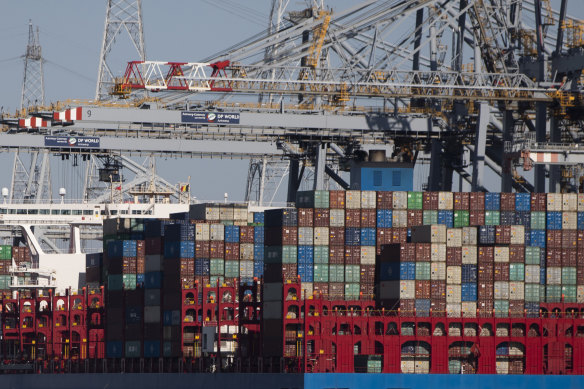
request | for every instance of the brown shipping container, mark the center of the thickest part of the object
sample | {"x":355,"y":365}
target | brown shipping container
{"x":321,"y":288}
{"x":290,"y":272}
{"x":408,"y":252}
{"x":305,"y":217}
{"x":290,"y":236}
{"x":430,"y":200}
{"x":516,"y":309}
{"x":368,"y":218}
{"x":423,"y":289}
{"x":486,"y":272}
{"x":538,"y":202}
{"x":407,"y":307}
{"x":153,"y":245}
{"x":554,"y":239}
{"x":477,"y":201}
{"x":503,"y":234}
{"x":336,"y":255}
{"x":231,"y":251}
{"x":569,"y":239}
{"x":202,"y":249}
{"x":501,"y":272}
{"x":140,"y":248}
{"x":485,"y":308}
{"x":217,"y":249}
{"x":322,"y":217}
{"x":461,"y":201}
{"x":516,"y":253}
{"x":336,"y":291}
{"x":486,"y":254}
{"x":438,"y":290}
{"x":507,"y":201}
{"x":352,"y":255}
{"x":367,"y":274}
{"x":353,"y":218}
{"x":485,"y":291}
{"x":336,"y":236}
{"x":580,"y":274}
{"x":569,"y":257}
{"x":423,"y":252}
{"x":399,"y":235}
{"x":384,"y":200}
{"x":337,"y":199}
{"x":415,"y":218}
{"x":477,"y":218}
{"x":553,"y":257}
{"x":438,"y":308}
{"x":453,"y":256}
{"x":367,"y":291}
{"x":384,"y":236}
{"x":246,"y":234}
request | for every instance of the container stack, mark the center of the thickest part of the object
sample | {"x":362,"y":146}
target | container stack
{"x":5,"y":263}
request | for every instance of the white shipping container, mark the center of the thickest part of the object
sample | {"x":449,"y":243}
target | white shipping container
{"x":580,"y":202}
{"x":152,"y":314}
{"x":454,"y":275}
{"x":226,"y":212}
{"x":569,"y":202}
{"x":501,"y":290}
{"x":445,"y":200}
{"x":517,"y":235}
{"x":469,"y":255}
{"x":554,"y":275}
{"x":454,"y":237}
{"x":337,"y":217}
{"x":240,"y":213}
{"x":469,"y":236}
{"x":250,"y":217}
{"x":368,"y":199}
{"x":569,"y":220}
{"x":408,"y":366}
{"x":453,"y":310}
{"x":501,"y":254}
{"x":368,"y":255}
{"x":422,"y":366}
{"x":217,"y":232}
{"x":246,"y":269}
{"x":515,"y":349}
{"x":400,"y":200}
{"x":502,"y":366}
{"x":212,"y":213}
{"x":469,"y":309}
{"x":407,"y":289}
{"x":321,"y":236}
{"x":246,"y":251}
{"x":305,"y":236}
{"x":438,"y":252}
{"x":580,"y":294}
{"x":202,"y":231}
{"x":353,"y":199}
{"x":453,"y":294}
{"x":438,"y":271}
{"x":400,"y":218}
{"x":532,"y":274}
{"x":307,"y":289}
{"x":554,"y":202}
{"x":438,"y":233}
{"x":516,"y":290}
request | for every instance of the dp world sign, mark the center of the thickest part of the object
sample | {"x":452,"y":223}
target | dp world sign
{"x":72,"y":141}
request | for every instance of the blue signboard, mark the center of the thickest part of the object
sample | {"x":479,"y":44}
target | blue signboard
{"x":210,"y":117}
{"x":72,"y":141}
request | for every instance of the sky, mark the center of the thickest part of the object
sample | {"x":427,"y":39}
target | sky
{"x":71,"y":33}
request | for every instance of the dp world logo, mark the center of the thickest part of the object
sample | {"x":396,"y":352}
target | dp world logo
{"x":211,"y":117}
{"x":72,"y":141}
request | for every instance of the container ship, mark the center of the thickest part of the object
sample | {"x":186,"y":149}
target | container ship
{"x":406,"y":289}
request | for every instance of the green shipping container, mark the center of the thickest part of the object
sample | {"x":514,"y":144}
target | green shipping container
{"x":4,"y":282}
{"x":132,"y":349}
{"x":516,"y":272}
{"x":231,"y":269}
{"x":115,"y":282}
{"x":532,"y":293}
{"x":492,"y":218}
{"x":568,"y":276}
{"x":129,"y":281}
{"x":461,"y":219}
{"x":5,"y":252}
{"x":454,"y":366}
{"x":429,"y":217}
{"x":501,"y":308}
{"x":538,"y":220}
{"x":352,"y":273}
{"x":321,"y":273}
{"x":213,"y":280}
{"x":226,"y":222}
{"x":321,"y":254}
{"x":280,"y":254}
{"x":313,"y":199}
{"x":217,"y":267}
{"x":531,"y":255}
{"x":570,"y":293}
{"x":423,"y":270}
{"x":414,"y":200}
{"x":553,"y":293}
{"x":352,"y":291}
{"x":336,"y":273}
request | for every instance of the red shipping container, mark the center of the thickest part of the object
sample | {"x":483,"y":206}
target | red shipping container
{"x":477,"y":218}
{"x":415,"y":218}
{"x":516,"y":309}
{"x":367,"y":275}
{"x":553,"y":257}
{"x":384,"y":236}
{"x":202,"y":249}
{"x":438,"y":308}
{"x":140,"y":265}
{"x":423,"y":289}
{"x":486,"y":272}
{"x":367,"y":291}
{"x":569,"y":239}
{"x":140,"y":248}
{"x":246,"y":234}
{"x":453,"y":256}
{"x":430,"y":200}
{"x":502,"y":234}
{"x":507,"y":201}
{"x":368,"y":218}
{"x":290,"y":236}
{"x":461,"y":201}
{"x":477,"y":201}
{"x":352,"y":255}
{"x":569,"y":257}
{"x":407,"y":307}
{"x":217,"y":249}
{"x":438,"y":290}
{"x":538,"y":202}
{"x":501,"y":271}
{"x":321,"y":288}
{"x":337,"y":199}
{"x":305,"y":217}
{"x":353,"y":218}
{"x":336,"y":255}
{"x":231,"y":251}
{"x":486,"y":254}
{"x":290,"y":272}
{"x":408,"y":252}
{"x":517,"y":253}
{"x":399,"y":235}
{"x":423,"y":252}
{"x":580,"y":239}
{"x":322,"y":217}
{"x":336,"y":236}
{"x":485,"y":308}
{"x":384,"y":200}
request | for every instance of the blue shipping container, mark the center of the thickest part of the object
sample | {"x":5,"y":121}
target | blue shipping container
{"x":523,"y":218}
{"x":114,"y":349}
{"x":446,"y":218}
{"x":232,"y":234}
{"x":258,"y":268}
{"x":368,"y":236}
{"x":554,"y":220}
{"x":390,"y":271}
{"x":187,"y":249}
{"x":407,"y":271}
{"x":422,"y":307}
{"x":202,"y":266}
{"x":487,"y":234}
{"x":522,"y":201}
{"x":258,"y":252}
{"x":537,"y":238}
{"x":258,"y":217}
{"x":153,"y":280}
{"x":306,"y":255}
{"x":151,"y":349}
{"x":469,"y":291}
{"x":580,"y":220}
{"x":140,"y":279}
{"x":306,"y":272}
{"x":469,"y":273}
{"x":258,"y":234}
{"x":172,"y":249}
{"x":179,"y":231}
{"x":353,"y":236}
{"x":507,"y":218}
{"x":115,"y":249}
{"x":129,"y":248}
{"x":133,"y":314}
{"x":384,"y":218}
{"x":492,"y":201}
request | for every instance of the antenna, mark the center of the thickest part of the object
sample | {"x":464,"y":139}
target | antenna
{"x":121,"y":15}
{"x":33,"y":85}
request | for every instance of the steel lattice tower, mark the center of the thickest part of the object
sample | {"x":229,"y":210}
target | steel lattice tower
{"x":121,"y":15}
{"x":33,"y":86}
